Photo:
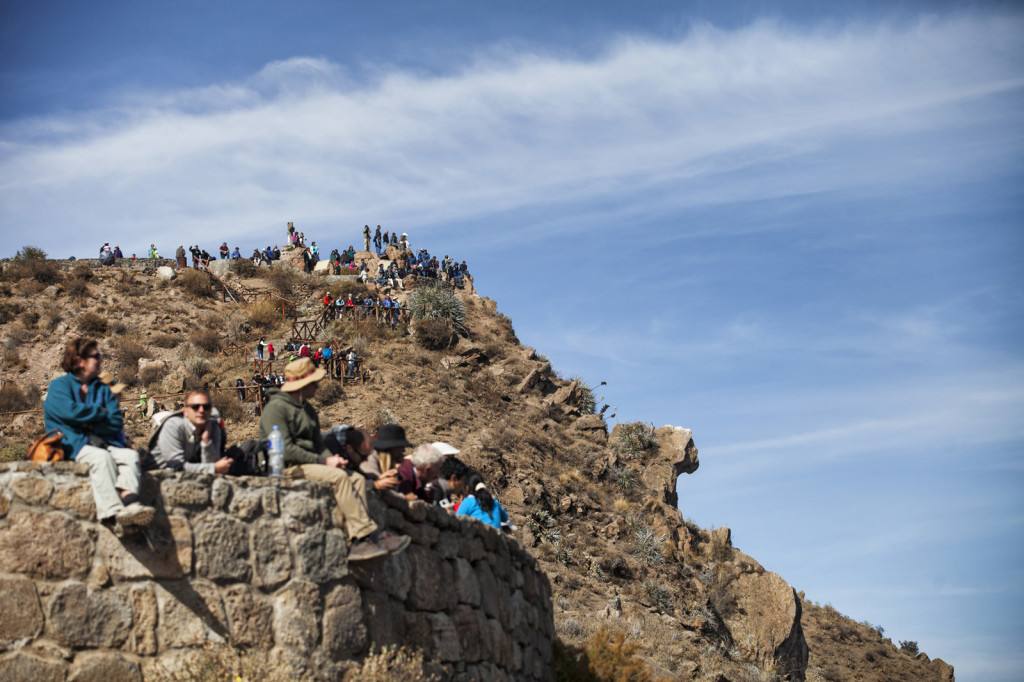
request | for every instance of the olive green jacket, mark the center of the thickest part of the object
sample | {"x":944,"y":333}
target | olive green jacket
{"x":298,"y":424}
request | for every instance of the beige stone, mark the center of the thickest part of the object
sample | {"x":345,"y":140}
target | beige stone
{"x":164,"y":551}
{"x":144,"y":614}
{"x":273,"y":558}
{"x":250,"y":617}
{"x":22,"y":615}
{"x":77,"y":499}
{"x":22,"y":666}
{"x":5,"y":505}
{"x":90,"y":666}
{"x":765,"y":623}
{"x":31,"y":489}
{"x":185,"y":494}
{"x":190,"y":614}
{"x":48,"y":545}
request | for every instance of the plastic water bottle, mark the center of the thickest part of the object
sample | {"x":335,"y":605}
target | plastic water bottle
{"x":275,"y":452}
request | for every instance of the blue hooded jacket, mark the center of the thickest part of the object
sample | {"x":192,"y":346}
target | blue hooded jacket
{"x":99,"y":413}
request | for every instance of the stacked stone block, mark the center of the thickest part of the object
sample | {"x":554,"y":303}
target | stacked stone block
{"x":257,"y":563}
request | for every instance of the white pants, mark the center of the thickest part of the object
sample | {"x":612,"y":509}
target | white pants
{"x":110,"y":469}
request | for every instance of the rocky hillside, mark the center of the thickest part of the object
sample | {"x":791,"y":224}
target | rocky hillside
{"x":596,"y":506}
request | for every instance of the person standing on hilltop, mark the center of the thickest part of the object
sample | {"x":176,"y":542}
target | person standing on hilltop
{"x":307,"y":457}
{"x":117,"y":252}
{"x":152,"y":252}
{"x":377,"y":240}
{"x":366,"y":238}
{"x":179,"y":256}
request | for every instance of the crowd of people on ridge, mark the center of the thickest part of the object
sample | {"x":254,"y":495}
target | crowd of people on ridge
{"x":84,"y":406}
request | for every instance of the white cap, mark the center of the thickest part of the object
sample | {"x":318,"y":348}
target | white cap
{"x":444,"y":448}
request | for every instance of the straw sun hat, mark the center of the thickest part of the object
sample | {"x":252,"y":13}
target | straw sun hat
{"x":299,"y":373}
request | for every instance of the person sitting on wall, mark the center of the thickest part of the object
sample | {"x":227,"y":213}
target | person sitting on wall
{"x":236,"y":254}
{"x":389,"y":446}
{"x":224,"y":251}
{"x":306,"y":457}
{"x":417,"y":470}
{"x":480,"y":504}
{"x":88,"y":415}
{"x":450,"y":485}
{"x":192,"y":439}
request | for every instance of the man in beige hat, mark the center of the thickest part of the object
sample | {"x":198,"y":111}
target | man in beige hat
{"x":305,"y":456}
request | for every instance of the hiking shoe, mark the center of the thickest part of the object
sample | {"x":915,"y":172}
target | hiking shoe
{"x":135,"y":514}
{"x":394,"y":544}
{"x":365,"y":550}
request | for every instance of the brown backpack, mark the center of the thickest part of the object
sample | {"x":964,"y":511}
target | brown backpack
{"x":47,"y":448}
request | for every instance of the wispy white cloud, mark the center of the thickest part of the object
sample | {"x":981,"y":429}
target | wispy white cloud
{"x":304,"y":140}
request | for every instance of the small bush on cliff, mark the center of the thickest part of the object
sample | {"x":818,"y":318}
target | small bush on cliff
{"x":909,"y":647}
{"x":636,"y":438}
{"x":605,"y":658}
{"x":30,"y":263}
{"x":434,"y":335}
{"x":397,"y":663}
{"x":438,"y":303}
{"x":92,"y":324}
{"x":243,"y":267}
{"x":194,"y":283}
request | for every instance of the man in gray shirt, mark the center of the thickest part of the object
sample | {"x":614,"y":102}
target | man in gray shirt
{"x":191,"y":440}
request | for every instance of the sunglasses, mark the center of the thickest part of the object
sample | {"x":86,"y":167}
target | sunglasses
{"x":199,"y":406}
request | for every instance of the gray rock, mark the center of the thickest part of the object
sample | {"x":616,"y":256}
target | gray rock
{"x":220,"y":267}
{"x":471,"y":628}
{"x":432,"y":580}
{"x":344,"y":633}
{"x":444,"y":637}
{"x":466,"y":585}
{"x":384,"y":618}
{"x":392,"y":576}
{"x":321,"y":554}
{"x":79,"y":618}
{"x":273,"y":555}
{"x":222,"y":547}
{"x":297,"y":616}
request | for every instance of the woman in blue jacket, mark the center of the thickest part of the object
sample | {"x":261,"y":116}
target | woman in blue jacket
{"x":480,"y":504}
{"x":89,"y":416}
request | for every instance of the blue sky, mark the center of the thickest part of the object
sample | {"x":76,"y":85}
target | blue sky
{"x":796,"y":229}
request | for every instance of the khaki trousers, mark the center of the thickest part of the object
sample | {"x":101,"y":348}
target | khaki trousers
{"x":110,"y":469}
{"x":349,"y":491}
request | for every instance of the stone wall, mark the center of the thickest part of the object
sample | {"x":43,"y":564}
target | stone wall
{"x":257,"y":563}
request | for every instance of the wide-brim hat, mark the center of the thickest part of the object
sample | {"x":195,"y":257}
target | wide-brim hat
{"x":391,"y":436}
{"x":299,"y":373}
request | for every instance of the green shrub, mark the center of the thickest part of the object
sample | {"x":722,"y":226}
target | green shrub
{"x":909,"y":646}
{"x":647,"y":546}
{"x":659,"y":596}
{"x":14,"y":452}
{"x":440,"y":304}
{"x":586,"y":393}
{"x":636,"y":438}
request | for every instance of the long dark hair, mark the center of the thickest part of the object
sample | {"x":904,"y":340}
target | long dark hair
{"x":482,"y":495}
